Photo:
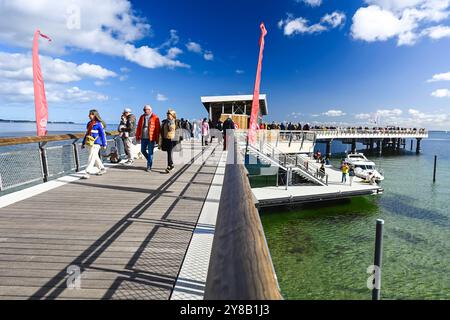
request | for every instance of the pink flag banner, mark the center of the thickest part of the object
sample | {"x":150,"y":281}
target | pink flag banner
{"x":40,"y":100}
{"x":255,"y":104}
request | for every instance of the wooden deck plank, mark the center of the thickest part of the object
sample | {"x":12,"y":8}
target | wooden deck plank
{"x":129,"y":246}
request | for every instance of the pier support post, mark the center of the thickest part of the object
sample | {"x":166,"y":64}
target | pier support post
{"x":434,"y":169}
{"x":412,"y":142}
{"x":328,"y":151}
{"x":354,"y":146}
{"x":418,"y":147}
{"x":376,"y":291}
{"x":380,"y":147}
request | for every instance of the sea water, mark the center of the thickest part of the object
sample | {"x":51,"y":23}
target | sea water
{"x":322,"y":251}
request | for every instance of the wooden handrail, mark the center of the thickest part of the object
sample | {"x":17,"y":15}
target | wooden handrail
{"x":240,"y":267}
{"x":11,"y":141}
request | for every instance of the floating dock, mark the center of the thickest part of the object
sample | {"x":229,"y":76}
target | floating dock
{"x":288,"y":155}
{"x":276,"y":196}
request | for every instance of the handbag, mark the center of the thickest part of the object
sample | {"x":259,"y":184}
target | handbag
{"x":90,"y":140}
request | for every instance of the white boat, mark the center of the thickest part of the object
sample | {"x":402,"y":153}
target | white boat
{"x":363,"y":167}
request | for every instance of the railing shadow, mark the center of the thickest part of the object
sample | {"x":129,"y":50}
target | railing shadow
{"x":55,"y":286}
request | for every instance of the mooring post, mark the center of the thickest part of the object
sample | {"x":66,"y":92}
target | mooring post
{"x":434,"y":169}
{"x":376,"y":291}
{"x":418,"y":147}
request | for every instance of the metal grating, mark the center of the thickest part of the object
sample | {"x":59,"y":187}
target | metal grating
{"x":20,"y":167}
{"x":61,"y":160}
{"x":83,"y":155}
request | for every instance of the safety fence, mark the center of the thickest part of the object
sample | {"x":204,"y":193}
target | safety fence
{"x":26,"y":161}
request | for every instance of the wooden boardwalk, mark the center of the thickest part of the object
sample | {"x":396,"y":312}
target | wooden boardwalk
{"x":128,"y":232}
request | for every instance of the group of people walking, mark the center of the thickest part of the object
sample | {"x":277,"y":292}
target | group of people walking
{"x":209,"y":130}
{"x":149,"y":132}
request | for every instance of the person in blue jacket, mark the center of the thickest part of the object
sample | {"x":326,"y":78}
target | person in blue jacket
{"x":94,"y":140}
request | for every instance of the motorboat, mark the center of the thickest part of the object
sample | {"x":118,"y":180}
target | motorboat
{"x":364,"y":168}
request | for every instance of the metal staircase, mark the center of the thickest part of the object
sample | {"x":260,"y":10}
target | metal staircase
{"x":292,"y":164}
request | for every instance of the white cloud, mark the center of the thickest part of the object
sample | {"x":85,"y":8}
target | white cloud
{"x":161,"y":97}
{"x":238,"y":71}
{"x":334,"y":19}
{"x":295,"y":115}
{"x":300,"y":25}
{"x":363,"y":116}
{"x":125,"y":70}
{"x":412,"y":118}
{"x":405,"y":20}
{"x":197,"y":48}
{"x":16,"y":79}
{"x":208,"y":55}
{"x":312,"y":3}
{"x":375,"y":24}
{"x":100,"y":83}
{"x":440,"y":77}
{"x":194,"y":47}
{"x":389,"y":112}
{"x":434,"y":120}
{"x":22,"y":91}
{"x":437,"y":32}
{"x":109,"y":27}
{"x":150,"y":58}
{"x":174,"y":52}
{"x":441,"y":93}
{"x":334,"y":113}
{"x":18,"y":66}
{"x":172,"y":41}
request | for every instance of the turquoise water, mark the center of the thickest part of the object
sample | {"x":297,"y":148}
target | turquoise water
{"x":322,"y":251}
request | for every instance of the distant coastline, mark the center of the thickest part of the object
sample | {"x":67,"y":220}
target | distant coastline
{"x":31,"y":121}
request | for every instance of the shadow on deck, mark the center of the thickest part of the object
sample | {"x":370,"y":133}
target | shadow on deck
{"x":124,"y":250}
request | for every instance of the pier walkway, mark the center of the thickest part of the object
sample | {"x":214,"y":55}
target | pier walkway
{"x":128,"y":232}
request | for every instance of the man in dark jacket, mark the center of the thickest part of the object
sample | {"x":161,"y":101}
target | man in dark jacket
{"x":127,"y":129}
{"x":227,"y":125}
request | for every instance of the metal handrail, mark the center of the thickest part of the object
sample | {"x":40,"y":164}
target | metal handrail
{"x":47,"y":168}
{"x":240,"y":266}
{"x":12,"y":141}
{"x":294,"y":162}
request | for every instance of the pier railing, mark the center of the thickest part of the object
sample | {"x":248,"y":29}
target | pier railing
{"x":343,"y":133}
{"x":31,"y":160}
{"x":240,"y":267}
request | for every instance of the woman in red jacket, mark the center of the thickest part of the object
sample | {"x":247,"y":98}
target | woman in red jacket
{"x":147,"y":134}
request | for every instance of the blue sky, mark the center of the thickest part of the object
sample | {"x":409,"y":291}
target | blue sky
{"x":340,"y":62}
